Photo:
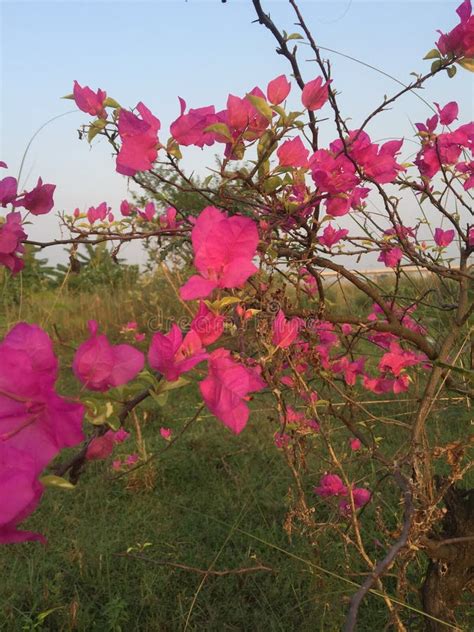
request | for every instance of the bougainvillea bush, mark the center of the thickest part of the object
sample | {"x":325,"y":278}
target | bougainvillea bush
{"x":260,"y":322}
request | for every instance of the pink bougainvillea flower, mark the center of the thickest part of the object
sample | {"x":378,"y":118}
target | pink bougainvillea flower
{"x":131,"y":459}
{"x":139,"y":138}
{"x":172,"y":356}
{"x":166,"y":433}
{"x":3,"y":165}
{"x":285,"y":331}
{"x":148,"y":213}
{"x":315,"y":94}
{"x":278,"y":89}
{"x":226,"y":388}
{"x":330,"y":485}
{"x":448,"y":113}
{"x":100,"y":365}
{"x":460,"y":40}
{"x":355,"y":444}
{"x":223,"y":251}
{"x":390,"y":257}
{"x":360,"y":496}
{"x":397,"y":359}
{"x":126,"y":208}
{"x":39,"y":200}
{"x":35,"y":423}
{"x":293,"y":153}
{"x":332,"y":235}
{"x":20,"y":493}
{"x":90,"y":102}
{"x":310,"y":283}
{"x":208,"y":325}
{"x":8,"y":190}
{"x":332,"y":174}
{"x":11,"y":247}
{"x":168,"y":220}
{"x":468,"y":169}
{"x":281,"y":440}
{"x":443,"y":237}
{"x":97,"y":213}
{"x":102,"y":447}
{"x":189,"y":129}
{"x":470,"y":237}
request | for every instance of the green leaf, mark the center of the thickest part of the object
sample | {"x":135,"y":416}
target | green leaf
{"x":451,"y":71}
{"x":95,"y":127}
{"x":111,"y":103}
{"x":433,"y":54}
{"x":436,"y":65}
{"x":260,"y":105}
{"x":51,"y":480}
{"x":220,"y":128}
{"x":68,"y":96}
{"x":216,"y":306}
{"x":159,"y":398}
{"x":171,"y":386}
{"x":294,"y":36}
{"x":271,"y":184}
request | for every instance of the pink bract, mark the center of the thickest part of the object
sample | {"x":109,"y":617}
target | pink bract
{"x":226,"y":388}
{"x":223,"y":251}
{"x":100,"y":365}
{"x":172,"y":356}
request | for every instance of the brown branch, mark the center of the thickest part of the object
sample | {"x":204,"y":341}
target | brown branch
{"x":385,"y":564}
{"x":195,"y":569}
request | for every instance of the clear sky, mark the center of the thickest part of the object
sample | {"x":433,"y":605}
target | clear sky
{"x":200,"y":50}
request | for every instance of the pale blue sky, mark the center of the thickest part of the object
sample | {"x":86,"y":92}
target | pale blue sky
{"x":200,"y":50}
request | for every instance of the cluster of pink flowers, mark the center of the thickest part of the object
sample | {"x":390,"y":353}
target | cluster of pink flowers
{"x":460,"y":40}
{"x":36,"y":423}
{"x":37,"y":201}
{"x":332,"y":485}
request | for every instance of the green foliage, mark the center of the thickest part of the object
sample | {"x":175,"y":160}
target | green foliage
{"x":95,"y":267}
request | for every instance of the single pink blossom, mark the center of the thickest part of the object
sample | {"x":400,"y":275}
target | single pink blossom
{"x":148,"y":213}
{"x":139,"y":138}
{"x":331,"y":236}
{"x":166,"y":433}
{"x":281,"y":440}
{"x":278,"y":89}
{"x":443,"y":237}
{"x":223,"y":251}
{"x":390,"y":257}
{"x":172,"y":356}
{"x":97,"y":213}
{"x":315,"y":94}
{"x":448,"y":113}
{"x":360,"y":496}
{"x":285,"y":331}
{"x":355,"y":444}
{"x":293,"y":153}
{"x":90,"y":102}
{"x":39,"y":200}
{"x":100,"y":365}
{"x":126,"y":208}
{"x":189,"y":129}
{"x":131,"y":459}
{"x":226,"y":388}
{"x":20,"y":493}
{"x":8,"y":190}
{"x":208,"y":325}
{"x":330,"y":485}
{"x":11,"y":247}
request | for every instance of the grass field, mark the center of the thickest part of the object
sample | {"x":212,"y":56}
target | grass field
{"x":212,"y":501}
